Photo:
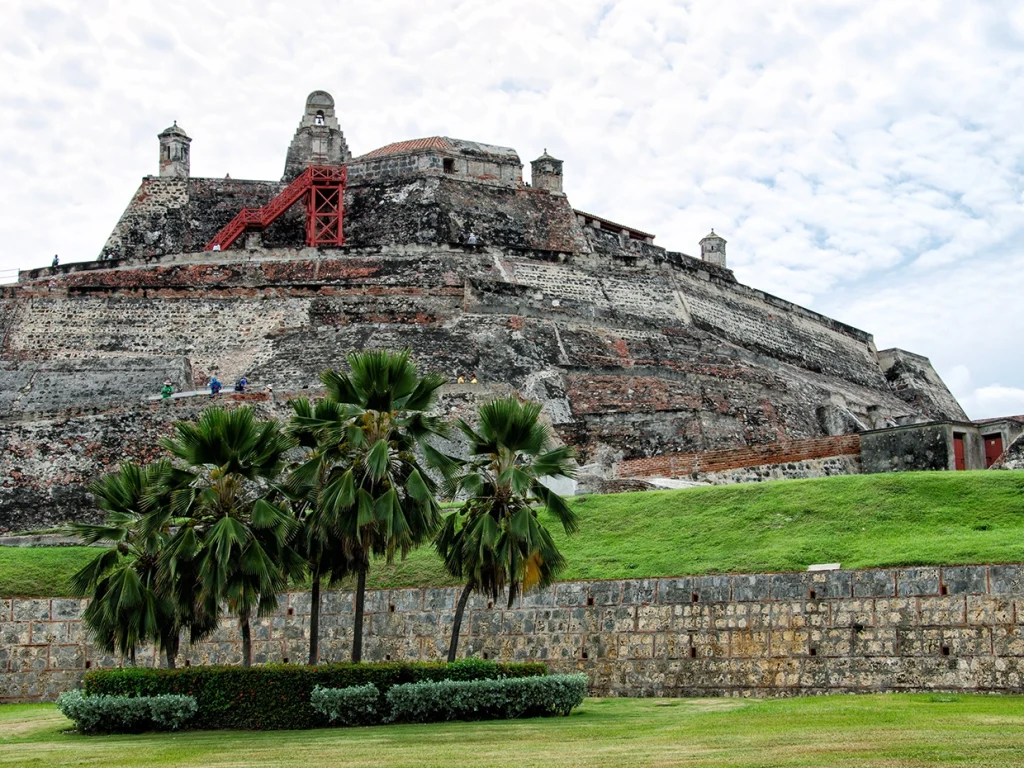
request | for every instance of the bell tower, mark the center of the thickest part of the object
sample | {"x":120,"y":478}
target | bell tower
{"x":318,"y":139}
{"x":174,"y":153}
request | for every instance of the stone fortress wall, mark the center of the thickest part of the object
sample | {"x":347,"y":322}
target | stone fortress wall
{"x":634,"y":351}
{"x":958,"y":628}
{"x":645,"y":359}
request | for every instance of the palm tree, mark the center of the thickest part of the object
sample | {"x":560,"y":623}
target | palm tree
{"x":324,"y":552}
{"x":496,"y":540}
{"x":316,"y":539}
{"x":372,"y":493}
{"x":232,"y":530}
{"x":130,"y":604}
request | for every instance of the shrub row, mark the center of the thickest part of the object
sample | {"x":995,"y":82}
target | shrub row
{"x":126,"y":714}
{"x":441,"y":700}
{"x":277,"y":696}
{"x":434,"y":701}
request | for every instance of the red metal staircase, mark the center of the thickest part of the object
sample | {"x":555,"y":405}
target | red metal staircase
{"x":322,"y":186}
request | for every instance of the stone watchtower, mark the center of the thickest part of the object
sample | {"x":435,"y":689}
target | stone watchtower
{"x":546,"y":173}
{"x":712,"y":249}
{"x":318,"y":140}
{"x":174,"y":153}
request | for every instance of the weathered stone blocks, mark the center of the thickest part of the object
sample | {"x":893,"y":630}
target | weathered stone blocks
{"x":918,"y":581}
{"x":965,"y":579}
{"x":874,"y":584}
{"x":757,"y":634}
{"x":1006,"y":579}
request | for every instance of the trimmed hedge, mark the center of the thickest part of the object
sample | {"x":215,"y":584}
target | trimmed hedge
{"x":358,"y":705}
{"x":126,"y":714}
{"x":277,"y":697}
{"x":435,"y":701}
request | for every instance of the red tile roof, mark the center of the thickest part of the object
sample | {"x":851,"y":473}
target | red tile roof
{"x":433,"y":142}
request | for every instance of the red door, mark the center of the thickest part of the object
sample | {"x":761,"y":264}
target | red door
{"x":958,"y":450}
{"x":993,"y":449}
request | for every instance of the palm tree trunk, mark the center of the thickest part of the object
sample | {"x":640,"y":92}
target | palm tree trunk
{"x":357,"y":630}
{"x":171,"y":650}
{"x":243,"y":619}
{"x":131,"y":656}
{"x":460,"y":609}
{"x":314,"y":619}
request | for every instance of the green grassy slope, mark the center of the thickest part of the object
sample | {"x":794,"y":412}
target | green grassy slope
{"x":880,"y":731}
{"x":860,"y":521}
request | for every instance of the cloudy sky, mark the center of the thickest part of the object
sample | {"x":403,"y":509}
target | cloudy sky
{"x":862,"y":158}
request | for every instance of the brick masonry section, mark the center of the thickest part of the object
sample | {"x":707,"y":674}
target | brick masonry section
{"x":781,"y":452}
{"x":905,"y":629}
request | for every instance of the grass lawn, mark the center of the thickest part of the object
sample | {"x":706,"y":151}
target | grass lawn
{"x":881,"y":730}
{"x":910,"y":518}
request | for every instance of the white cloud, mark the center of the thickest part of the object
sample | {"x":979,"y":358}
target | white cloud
{"x":863,"y":157}
{"x":989,"y":401}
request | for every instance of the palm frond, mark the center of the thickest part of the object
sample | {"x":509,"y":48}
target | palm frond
{"x":556,"y":505}
{"x":558,"y":462}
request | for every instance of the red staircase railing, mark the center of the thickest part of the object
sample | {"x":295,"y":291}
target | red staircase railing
{"x":322,"y":186}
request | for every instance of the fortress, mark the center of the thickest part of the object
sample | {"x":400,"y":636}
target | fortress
{"x":650,"y":361}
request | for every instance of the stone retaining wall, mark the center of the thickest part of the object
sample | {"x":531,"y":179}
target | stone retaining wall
{"x":777,"y":453}
{"x":928,"y":628}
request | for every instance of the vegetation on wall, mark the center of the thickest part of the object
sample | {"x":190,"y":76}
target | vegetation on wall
{"x":862,"y":521}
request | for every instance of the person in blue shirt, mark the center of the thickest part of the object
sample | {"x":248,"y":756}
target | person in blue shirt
{"x":215,"y":386}
{"x":241,"y":384}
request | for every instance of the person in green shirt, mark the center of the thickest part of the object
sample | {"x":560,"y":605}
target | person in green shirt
{"x":167,"y":389}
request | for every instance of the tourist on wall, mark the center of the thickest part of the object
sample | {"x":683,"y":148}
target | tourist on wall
{"x":215,"y":386}
{"x":167,"y":390}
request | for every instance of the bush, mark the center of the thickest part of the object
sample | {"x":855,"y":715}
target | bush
{"x":171,"y":711}
{"x":126,"y":714}
{"x":358,"y":705}
{"x":278,"y":696}
{"x":434,"y":701}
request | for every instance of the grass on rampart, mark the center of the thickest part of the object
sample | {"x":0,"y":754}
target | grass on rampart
{"x":861,"y":521}
{"x":891,"y":731}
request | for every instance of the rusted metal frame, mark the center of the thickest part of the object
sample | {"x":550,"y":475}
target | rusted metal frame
{"x":324,"y":215}
{"x":322,"y":187}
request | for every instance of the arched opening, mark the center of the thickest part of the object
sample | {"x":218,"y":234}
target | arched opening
{"x":319,"y":118}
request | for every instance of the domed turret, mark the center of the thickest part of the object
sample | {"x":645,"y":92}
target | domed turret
{"x":712,"y":249}
{"x":546,"y":173}
{"x":174,"y":153}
